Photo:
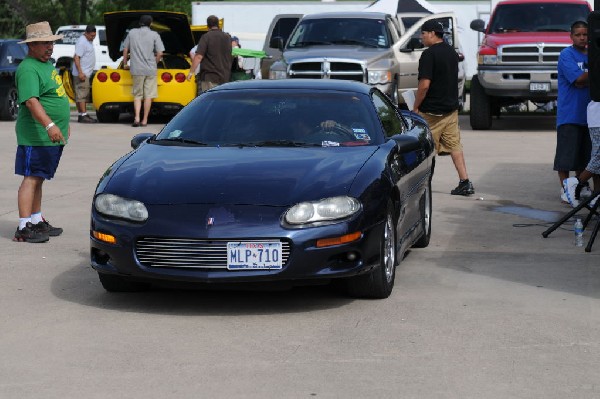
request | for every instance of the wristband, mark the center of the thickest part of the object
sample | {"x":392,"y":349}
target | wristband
{"x":49,"y":126}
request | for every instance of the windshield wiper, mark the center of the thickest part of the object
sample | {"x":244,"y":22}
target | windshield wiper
{"x":182,"y":140}
{"x":359,"y":42}
{"x":310,"y":43}
{"x":277,"y":143}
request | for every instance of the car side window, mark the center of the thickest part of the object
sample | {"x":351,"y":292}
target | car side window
{"x":391,"y":121}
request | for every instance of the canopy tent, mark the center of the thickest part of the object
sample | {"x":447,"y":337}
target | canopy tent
{"x":401,"y":6}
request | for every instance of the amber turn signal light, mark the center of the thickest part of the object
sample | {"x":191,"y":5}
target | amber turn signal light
{"x":328,"y":242}
{"x":108,"y":238}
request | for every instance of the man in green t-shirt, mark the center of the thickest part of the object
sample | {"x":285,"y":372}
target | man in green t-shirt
{"x":42,"y":130}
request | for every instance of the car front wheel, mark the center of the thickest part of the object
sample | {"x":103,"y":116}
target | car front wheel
{"x":379,"y":282}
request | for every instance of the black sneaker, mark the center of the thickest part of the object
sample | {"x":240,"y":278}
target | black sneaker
{"x":86,"y":119}
{"x":465,"y":187}
{"x":47,"y":228}
{"x":30,"y":234}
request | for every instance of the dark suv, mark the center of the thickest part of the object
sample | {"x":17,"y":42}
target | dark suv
{"x":11,"y":54}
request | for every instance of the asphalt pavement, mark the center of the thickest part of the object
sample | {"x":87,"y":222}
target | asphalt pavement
{"x":490,"y":309}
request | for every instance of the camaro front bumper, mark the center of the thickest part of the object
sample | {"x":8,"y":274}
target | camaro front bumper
{"x":304,"y":259}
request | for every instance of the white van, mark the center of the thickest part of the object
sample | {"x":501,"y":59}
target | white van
{"x":64,"y":49}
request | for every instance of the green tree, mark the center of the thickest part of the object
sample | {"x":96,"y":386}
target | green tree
{"x":16,"y":14}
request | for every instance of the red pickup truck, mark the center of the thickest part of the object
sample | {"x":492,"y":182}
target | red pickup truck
{"x":518,"y":56}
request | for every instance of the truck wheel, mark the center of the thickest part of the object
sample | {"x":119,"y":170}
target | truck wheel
{"x":480,"y":114}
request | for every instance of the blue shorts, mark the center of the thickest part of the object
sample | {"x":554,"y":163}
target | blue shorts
{"x":40,"y":161}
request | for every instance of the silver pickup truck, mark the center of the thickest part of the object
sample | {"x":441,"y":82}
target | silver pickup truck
{"x":370,"y":47}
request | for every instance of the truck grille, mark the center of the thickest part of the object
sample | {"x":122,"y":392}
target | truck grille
{"x":328,"y":70}
{"x":540,"y":53}
{"x":189,"y":252}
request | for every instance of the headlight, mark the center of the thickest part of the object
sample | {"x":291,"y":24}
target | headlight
{"x":323,"y":210}
{"x":489,"y":59}
{"x":277,"y":75}
{"x":379,"y":77}
{"x":113,"y":205}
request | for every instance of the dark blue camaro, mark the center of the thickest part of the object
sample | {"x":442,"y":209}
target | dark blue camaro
{"x":287,"y":180}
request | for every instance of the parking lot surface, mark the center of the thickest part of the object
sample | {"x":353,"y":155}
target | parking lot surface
{"x":489,"y":310}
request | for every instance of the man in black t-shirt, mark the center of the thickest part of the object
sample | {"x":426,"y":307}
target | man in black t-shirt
{"x":436,"y":99}
{"x":213,"y":54}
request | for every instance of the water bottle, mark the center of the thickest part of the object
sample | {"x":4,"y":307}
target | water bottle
{"x":578,"y":229}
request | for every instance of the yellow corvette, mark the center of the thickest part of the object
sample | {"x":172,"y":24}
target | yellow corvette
{"x":111,"y":88}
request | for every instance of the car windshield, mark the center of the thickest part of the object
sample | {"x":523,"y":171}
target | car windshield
{"x":351,"y":31}
{"x":70,"y":36}
{"x":268,"y":118}
{"x":537,"y":17}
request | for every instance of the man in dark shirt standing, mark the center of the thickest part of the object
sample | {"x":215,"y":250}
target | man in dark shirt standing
{"x":213,"y":54}
{"x":436,"y":99}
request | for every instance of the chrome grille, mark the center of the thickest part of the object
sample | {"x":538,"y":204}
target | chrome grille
{"x":540,"y":53}
{"x":341,"y":70}
{"x":189,"y":252}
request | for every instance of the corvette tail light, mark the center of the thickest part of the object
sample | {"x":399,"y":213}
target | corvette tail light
{"x":166,"y":77}
{"x":180,"y":77}
{"x":115,"y":76}
{"x":102,"y":77}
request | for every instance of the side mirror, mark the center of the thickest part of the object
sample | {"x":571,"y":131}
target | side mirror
{"x":276,"y":42}
{"x":413,"y":44}
{"x":139,"y":139}
{"x":406,"y":143}
{"x":478,"y":25}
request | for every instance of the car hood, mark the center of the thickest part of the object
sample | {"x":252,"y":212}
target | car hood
{"x":173,"y":27}
{"x":331,"y":52}
{"x":496,"y":40}
{"x":156,"y":174}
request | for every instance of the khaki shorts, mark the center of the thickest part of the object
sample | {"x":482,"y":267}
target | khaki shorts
{"x":82,"y":90}
{"x":205,"y":85}
{"x":445,"y":131}
{"x":144,"y":87}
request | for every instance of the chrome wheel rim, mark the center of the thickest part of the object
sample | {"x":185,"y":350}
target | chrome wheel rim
{"x":13,"y":104}
{"x":389,"y":255}
{"x":427,"y":211}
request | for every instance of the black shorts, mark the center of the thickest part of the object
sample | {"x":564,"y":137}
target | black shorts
{"x":573,"y":147}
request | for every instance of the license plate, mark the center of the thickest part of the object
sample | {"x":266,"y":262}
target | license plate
{"x":537,"y":86}
{"x":254,"y":255}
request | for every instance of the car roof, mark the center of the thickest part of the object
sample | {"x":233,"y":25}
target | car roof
{"x":78,"y":27}
{"x":348,"y":14}
{"x":297,"y":84}
{"x":544,"y":1}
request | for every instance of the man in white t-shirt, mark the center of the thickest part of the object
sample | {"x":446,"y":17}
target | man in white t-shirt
{"x":82,"y":69}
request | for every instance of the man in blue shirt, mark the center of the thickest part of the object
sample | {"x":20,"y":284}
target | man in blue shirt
{"x":573,"y":145}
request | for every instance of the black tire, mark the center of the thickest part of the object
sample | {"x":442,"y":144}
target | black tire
{"x":480,"y":114}
{"x":114,"y":283}
{"x":379,"y":282}
{"x":425,"y":205}
{"x":9,"y":108}
{"x":107,"y":116}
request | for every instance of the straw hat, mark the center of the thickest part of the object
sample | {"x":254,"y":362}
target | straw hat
{"x":40,"y":32}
